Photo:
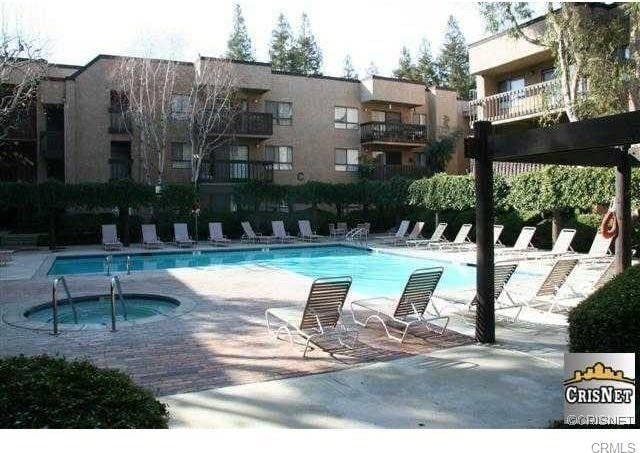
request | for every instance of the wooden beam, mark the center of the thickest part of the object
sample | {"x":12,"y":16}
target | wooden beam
{"x":623,"y":210}
{"x":590,"y":134}
{"x":485,"y":313}
{"x":601,"y":157}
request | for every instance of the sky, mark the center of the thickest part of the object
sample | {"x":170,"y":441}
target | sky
{"x":76,"y":31}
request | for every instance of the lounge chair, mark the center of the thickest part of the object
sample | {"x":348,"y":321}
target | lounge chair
{"x":110,"y":239}
{"x":306,"y":234}
{"x":250,"y":236}
{"x":150,"y":237}
{"x":460,"y":240}
{"x":561,"y":247}
{"x":398,"y":235}
{"x":523,"y":242}
{"x":279,"y":232}
{"x":216,"y":237}
{"x":6,"y":256}
{"x":600,"y":248}
{"x":320,"y":318}
{"x":409,"y":309}
{"x":435,"y":237}
{"x":555,"y":279}
{"x":466,"y":246}
{"x":181,"y":235}
{"x":502,"y":275}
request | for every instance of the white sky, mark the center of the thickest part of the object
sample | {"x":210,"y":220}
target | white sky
{"x":78,"y":30}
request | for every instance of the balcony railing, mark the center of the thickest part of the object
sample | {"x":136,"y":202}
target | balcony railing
{"x":528,"y":101}
{"x":119,"y":122}
{"x":224,"y":171}
{"x":52,"y":145}
{"x":384,"y":172}
{"x":378,"y":131}
{"x":248,"y":123}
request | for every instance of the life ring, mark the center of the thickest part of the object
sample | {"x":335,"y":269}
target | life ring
{"x":609,"y":225}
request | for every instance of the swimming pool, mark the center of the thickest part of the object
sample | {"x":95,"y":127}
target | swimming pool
{"x":374,"y":273}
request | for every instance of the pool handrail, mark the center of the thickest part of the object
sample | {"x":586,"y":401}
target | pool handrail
{"x":54,"y":302}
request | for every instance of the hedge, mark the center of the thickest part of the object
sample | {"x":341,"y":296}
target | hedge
{"x":47,"y":392}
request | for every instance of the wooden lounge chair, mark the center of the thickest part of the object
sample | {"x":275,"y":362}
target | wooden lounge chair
{"x":181,"y":235}
{"x":437,"y":236}
{"x":320,"y":318}
{"x":502,"y":275}
{"x":216,"y":237}
{"x":110,"y":240}
{"x":306,"y":234}
{"x":279,"y":232}
{"x":409,"y":309}
{"x":250,"y":236}
{"x":150,"y":237}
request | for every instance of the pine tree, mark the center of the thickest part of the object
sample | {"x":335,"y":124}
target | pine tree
{"x":406,"y":68}
{"x":281,"y":45}
{"x":306,"y":56}
{"x":453,"y":62}
{"x":426,"y":67}
{"x":239,"y":44}
{"x":348,"y":70}
{"x":372,"y":69}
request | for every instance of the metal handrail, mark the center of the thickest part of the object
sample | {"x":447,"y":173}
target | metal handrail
{"x":109,"y":259}
{"x":54,"y":302}
{"x":121,"y":297}
{"x":129,"y":264}
{"x":357,"y":233}
{"x":115,"y":286}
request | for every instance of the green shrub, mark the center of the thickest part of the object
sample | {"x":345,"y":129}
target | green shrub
{"x":607,"y":321}
{"x":46,"y":392}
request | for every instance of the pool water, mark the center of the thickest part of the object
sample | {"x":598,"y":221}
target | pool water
{"x":97,"y":309}
{"x":374,"y":273}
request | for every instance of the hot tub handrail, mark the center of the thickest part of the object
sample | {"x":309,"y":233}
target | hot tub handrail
{"x":108,"y":259}
{"x":115,"y":282}
{"x":54,"y":302}
{"x":120,"y":296}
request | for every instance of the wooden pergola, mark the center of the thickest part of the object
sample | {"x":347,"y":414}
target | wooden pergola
{"x":599,"y":142}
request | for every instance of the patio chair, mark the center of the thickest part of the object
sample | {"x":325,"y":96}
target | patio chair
{"x":337,"y":230}
{"x":415,"y":233}
{"x":398,"y":235}
{"x":461,"y":238}
{"x":523,"y":242}
{"x":409,"y":309}
{"x":599,"y":250}
{"x":555,"y":279}
{"x":279,"y":232}
{"x":110,"y":239}
{"x":250,"y":236}
{"x":561,"y":247}
{"x":6,"y":256}
{"x":502,"y":275}
{"x":306,"y":234}
{"x":320,"y":318}
{"x":150,"y":237}
{"x":467,"y":246}
{"x":365,"y":227}
{"x":437,"y":236}
{"x":216,"y":237}
{"x":181,"y":235}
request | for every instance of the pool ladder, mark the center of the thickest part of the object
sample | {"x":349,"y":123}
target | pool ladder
{"x":109,"y":261}
{"x":357,"y":234}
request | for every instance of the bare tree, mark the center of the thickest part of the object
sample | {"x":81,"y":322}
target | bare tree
{"x":147,"y":87}
{"x":212,"y":109}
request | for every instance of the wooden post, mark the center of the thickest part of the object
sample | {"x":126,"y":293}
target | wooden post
{"x":485,"y":314}
{"x":623,"y":210}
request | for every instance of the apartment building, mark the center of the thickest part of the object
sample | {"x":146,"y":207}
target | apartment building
{"x":290,"y":129}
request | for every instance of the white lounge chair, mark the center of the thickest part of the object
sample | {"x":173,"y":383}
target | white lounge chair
{"x":279,"y":232}
{"x":523,"y":242}
{"x":466,"y":246}
{"x":501,"y":276}
{"x":6,"y":256}
{"x":250,"y":236}
{"x":398,"y":235}
{"x":600,"y":248}
{"x":460,"y":240}
{"x":320,"y":317}
{"x":216,"y":237}
{"x":181,"y":235}
{"x":561,"y":247}
{"x":306,"y":233}
{"x":410,"y":309}
{"x":557,"y":276}
{"x":437,"y":236}
{"x":110,"y":240}
{"x":150,"y":237}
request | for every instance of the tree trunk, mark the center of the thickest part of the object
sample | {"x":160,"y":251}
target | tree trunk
{"x":125,"y":225}
{"x":557,"y":222}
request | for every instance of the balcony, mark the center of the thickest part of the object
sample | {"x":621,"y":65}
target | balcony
{"x":229,"y":171}
{"x":251,"y":124}
{"x":119,"y":122}
{"x":377,"y":132}
{"x":52,"y":145}
{"x":385,"y":172}
{"x":528,"y":102}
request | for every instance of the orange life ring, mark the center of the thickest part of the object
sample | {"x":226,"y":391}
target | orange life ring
{"x":609,"y":225}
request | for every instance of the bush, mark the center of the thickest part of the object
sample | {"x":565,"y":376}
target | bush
{"x":46,"y":392}
{"x":607,"y":321}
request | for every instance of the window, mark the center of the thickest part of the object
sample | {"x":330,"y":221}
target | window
{"x":346,"y":159}
{"x":378,"y":116}
{"x":281,"y":156}
{"x":345,"y":118}
{"x":120,"y":160}
{"x":179,"y":106}
{"x":516,"y":83}
{"x":419,"y":118}
{"x":282,"y":112}
{"x":181,"y":155}
{"x":118,"y":100}
{"x":548,"y":74}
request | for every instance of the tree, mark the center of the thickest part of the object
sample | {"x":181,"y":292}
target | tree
{"x":281,"y":45}
{"x":632,"y":10}
{"x":453,"y":61}
{"x":306,"y":56}
{"x":426,"y":67}
{"x":212,"y":110}
{"x":348,"y":70}
{"x":372,"y":69}
{"x":146,"y":88}
{"x":239,"y":44}
{"x":406,"y":68}
{"x":585,"y":42}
